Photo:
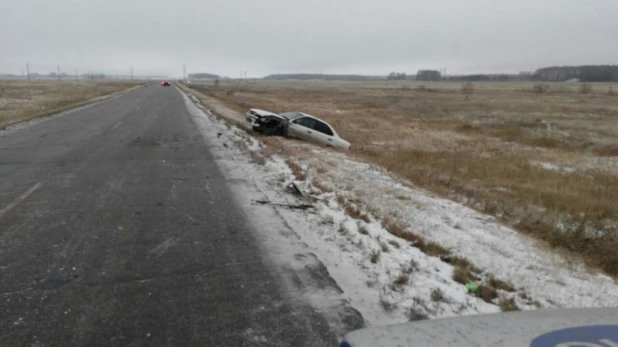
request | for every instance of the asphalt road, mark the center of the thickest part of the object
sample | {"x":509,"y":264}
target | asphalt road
{"x":117,"y":228}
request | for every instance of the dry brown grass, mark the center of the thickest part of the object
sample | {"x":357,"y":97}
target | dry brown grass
{"x":415,"y":314}
{"x":297,"y":171}
{"x":374,"y":257}
{"x":500,"y":284}
{"x":485,"y":150}
{"x":402,"y":279}
{"x":21,"y":101}
{"x":507,"y":305}
{"x":437,"y":295}
{"x":353,"y":211}
{"x":487,"y":293}
{"x":463,"y":275}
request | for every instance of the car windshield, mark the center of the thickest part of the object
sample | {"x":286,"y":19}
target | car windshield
{"x":291,"y":115}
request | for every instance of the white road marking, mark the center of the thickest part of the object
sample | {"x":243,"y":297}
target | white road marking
{"x":20,"y":199}
{"x":116,"y":125}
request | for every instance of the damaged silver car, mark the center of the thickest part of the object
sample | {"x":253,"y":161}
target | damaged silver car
{"x":295,"y":124}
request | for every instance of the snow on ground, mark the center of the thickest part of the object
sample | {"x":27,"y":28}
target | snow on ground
{"x":553,"y":167}
{"x":402,"y":283}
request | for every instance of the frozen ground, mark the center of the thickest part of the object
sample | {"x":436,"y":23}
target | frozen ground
{"x":401,"y":283}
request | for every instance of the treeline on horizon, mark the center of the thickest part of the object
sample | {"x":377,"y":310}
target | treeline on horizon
{"x":584,"y":73}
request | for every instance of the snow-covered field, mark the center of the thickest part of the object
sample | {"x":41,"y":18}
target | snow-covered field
{"x":385,"y":277}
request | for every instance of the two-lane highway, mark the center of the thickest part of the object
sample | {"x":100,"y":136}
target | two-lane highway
{"x":117,"y":228}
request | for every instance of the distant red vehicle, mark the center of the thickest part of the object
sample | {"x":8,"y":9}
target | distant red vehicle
{"x":166,"y":83}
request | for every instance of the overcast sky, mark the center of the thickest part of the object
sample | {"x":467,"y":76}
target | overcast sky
{"x":156,"y":37}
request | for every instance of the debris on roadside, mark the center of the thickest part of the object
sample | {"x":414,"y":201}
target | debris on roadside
{"x":472,"y":287}
{"x":284,"y":204}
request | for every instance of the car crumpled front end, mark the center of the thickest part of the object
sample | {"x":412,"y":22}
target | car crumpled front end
{"x":266,"y":124}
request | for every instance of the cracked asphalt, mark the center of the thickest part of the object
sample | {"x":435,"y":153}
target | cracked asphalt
{"x":117,"y":228}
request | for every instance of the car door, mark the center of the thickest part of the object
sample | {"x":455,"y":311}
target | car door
{"x":323,"y":133}
{"x":302,"y":128}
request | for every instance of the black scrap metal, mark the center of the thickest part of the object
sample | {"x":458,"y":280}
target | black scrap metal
{"x":291,"y":206}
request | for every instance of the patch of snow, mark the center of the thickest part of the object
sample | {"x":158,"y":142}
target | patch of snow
{"x":553,"y":167}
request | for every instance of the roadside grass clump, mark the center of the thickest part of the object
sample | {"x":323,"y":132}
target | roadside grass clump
{"x":437,"y":295}
{"x":487,"y":293}
{"x":340,"y":199}
{"x":415,"y":314}
{"x":321,"y":186}
{"x":342,"y":229}
{"x":374,"y":257}
{"x":500,"y":284}
{"x":463,"y":275}
{"x":353,"y":211}
{"x":507,"y":305}
{"x":387,"y":305}
{"x":402,"y":279}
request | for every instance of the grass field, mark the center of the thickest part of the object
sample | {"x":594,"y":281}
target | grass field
{"x":542,"y":158}
{"x":21,"y":101}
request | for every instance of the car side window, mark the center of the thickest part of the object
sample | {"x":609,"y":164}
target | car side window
{"x":323,"y":128}
{"x":306,"y":122}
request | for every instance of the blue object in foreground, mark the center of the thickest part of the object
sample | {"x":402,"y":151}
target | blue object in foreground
{"x":588,"y":336}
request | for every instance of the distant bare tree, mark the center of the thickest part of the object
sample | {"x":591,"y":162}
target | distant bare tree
{"x":217,"y":83}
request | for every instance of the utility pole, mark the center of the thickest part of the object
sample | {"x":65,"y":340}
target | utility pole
{"x":58,"y":74}
{"x":184,"y":72}
{"x":28,"y":70}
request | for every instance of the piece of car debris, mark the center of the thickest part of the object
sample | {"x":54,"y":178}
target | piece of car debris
{"x":297,"y":190}
{"x":291,"y":206}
